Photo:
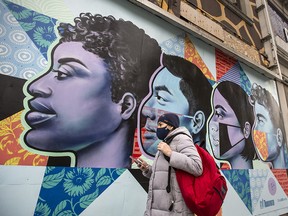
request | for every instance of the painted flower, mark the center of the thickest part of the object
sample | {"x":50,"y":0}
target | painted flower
{"x":42,"y":209}
{"x":78,"y":181}
{"x":44,"y":36}
{"x":19,"y":12}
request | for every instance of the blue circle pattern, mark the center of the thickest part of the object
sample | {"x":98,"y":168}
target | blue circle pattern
{"x":19,"y":56}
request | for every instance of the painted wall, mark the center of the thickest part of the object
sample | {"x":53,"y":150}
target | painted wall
{"x":69,"y":123}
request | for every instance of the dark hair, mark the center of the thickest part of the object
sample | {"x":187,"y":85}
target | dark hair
{"x":239,"y":102}
{"x":130,"y":54}
{"x":193,"y":84}
{"x":263,"y":97}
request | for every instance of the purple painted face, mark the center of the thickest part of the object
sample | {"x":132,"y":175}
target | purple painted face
{"x":71,"y":105}
{"x":224,"y":116}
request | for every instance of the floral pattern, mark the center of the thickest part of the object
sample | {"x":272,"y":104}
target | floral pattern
{"x":78,"y":181}
{"x":39,"y":27}
{"x":76,"y":189}
{"x":239,"y":179}
{"x":11,"y":151}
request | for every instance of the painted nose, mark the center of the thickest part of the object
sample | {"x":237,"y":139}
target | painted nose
{"x":40,"y":87}
{"x":149,"y":112}
{"x":213,"y":127}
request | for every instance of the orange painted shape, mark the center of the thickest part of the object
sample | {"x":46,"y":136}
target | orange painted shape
{"x":192,"y":55}
{"x":11,"y":152}
{"x":260,"y":141}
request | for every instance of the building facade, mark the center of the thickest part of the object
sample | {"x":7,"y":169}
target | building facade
{"x":83,"y":83}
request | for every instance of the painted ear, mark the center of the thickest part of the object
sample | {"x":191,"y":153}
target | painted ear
{"x":128,"y":105}
{"x":247,"y":130}
{"x":198,"y":122}
{"x":279,"y":137}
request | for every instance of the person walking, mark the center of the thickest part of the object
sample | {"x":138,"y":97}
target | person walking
{"x":178,"y":151}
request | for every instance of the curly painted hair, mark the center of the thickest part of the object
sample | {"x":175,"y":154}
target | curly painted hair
{"x":130,"y":54}
{"x":263,"y":97}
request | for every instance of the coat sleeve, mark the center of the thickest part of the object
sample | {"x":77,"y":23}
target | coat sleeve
{"x":148,"y":173}
{"x":185,"y":156}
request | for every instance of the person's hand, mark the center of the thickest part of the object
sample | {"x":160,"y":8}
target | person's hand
{"x":143,"y":166}
{"x":164,"y":148}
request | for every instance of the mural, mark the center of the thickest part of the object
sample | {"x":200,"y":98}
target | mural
{"x":92,"y":95}
{"x":182,"y":88}
{"x":268,"y":136}
{"x":95,"y":84}
{"x":230,"y":126}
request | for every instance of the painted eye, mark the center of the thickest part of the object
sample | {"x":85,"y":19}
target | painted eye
{"x":60,"y":75}
{"x":260,"y":121}
{"x":218,"y":114}
{"x":160,"y":97}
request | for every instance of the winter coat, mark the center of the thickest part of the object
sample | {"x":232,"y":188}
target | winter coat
{"x":185,"y":157}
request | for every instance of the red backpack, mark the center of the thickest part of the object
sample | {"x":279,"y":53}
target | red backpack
{"x":203,"y":195}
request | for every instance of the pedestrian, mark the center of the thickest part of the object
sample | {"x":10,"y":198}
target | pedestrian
{"x":179,"y":153}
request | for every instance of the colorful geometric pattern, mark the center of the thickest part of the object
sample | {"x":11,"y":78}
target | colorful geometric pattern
{"x":68,"y":191}
{"x":18,"y":55}
{"x":282,"y":176}
{"x":223,"y":63}
{"x":236,"y":74}
{"x":174,"y":46}
{"x":39,"y":27}
{"x":71,"y":190}
{"x":232,"y":75}
{"x":239,"y":179}
{"x":193,"y":56}
{"x":257,"y":179}
{"x":260,"y":141}
{"x":10,"y":149}
{"x":245,"y":82}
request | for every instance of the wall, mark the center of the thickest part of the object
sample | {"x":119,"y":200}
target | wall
{"x":65,"y":144}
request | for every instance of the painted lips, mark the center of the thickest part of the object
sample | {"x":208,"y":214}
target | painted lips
{"x":39,"y":113}
{"x":35,"y":117}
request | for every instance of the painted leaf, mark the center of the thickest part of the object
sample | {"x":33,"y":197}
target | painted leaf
{"x":105,"y":180}
{"x":27,"y":26}
{"x":51,"y":181}
{"x":119,"y":171}
{"x":100,"y":173}
{"x":85,"y":201}
{"x":66,"y":213}
{"x":59,"y":208}
{"x":41,"y":18}
{"x":13,"y":161}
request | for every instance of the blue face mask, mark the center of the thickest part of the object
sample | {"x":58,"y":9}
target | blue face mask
{"x":162,"y":133}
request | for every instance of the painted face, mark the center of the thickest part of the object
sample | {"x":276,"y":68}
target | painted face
{"x":166,"y":96}
{"x":225,"y":134}
{"x":71,"y":105}
{"x":264,"y":135}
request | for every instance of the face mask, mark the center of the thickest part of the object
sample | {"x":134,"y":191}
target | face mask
{"x":162,"y":133}
{"x":225,"y":143}
{"x":265,"y":152}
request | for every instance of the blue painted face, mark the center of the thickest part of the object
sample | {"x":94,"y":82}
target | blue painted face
{"x":166,"y":96}
{"x":71,"y":105}
{"x":265,"y":125}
